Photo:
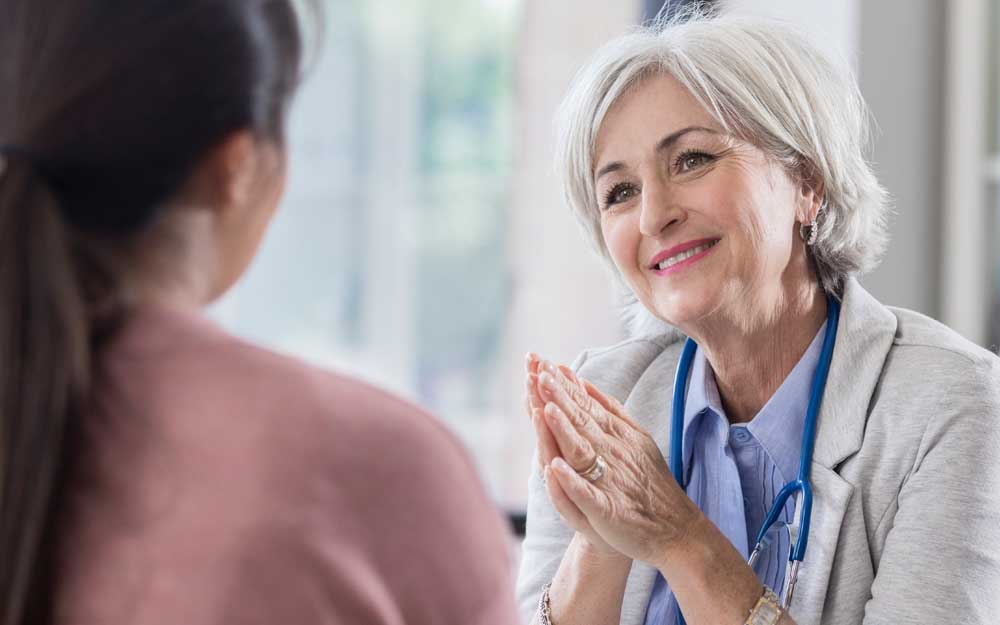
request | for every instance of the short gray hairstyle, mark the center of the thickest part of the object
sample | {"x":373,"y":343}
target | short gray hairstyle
{"x":765,"y":83}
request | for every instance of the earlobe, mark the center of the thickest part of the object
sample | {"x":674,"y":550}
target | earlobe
{"x":811,"y":204}
{"x":812,"y":194}
{"x":237,"y":167}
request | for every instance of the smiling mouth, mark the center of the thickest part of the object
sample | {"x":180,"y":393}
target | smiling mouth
{"x":669,"y":262}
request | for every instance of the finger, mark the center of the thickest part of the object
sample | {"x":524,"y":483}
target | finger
{"x":534,"y":392}
{"x":532,"y":365}
{"x":566,"y":371}
{"x":574,"y":448}
{"x":531,"y":362}
{"x":578,"y":393}
{"x":573,"y":393}
{"x":580,"y":416}
{"x":563,"y":505}
{"x":532,"y":400}
{"x":609,"y":403}
{"x":547,"y":447}
{"x":582,"y":493}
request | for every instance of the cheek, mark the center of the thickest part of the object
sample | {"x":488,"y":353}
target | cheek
{"x":621,"y":237}
{"x":767,"y":240}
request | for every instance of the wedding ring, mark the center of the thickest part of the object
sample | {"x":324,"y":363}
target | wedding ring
{"x":596,"y":470}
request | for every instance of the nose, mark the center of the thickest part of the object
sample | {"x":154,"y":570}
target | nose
{"x":659,"y":209}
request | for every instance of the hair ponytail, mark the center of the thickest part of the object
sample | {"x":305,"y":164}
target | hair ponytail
{"x":109,"y":107}
{"x":44,"y":377}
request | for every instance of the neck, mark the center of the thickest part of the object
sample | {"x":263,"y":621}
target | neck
{"x":751,"y":356}
{"x":174,"y":265}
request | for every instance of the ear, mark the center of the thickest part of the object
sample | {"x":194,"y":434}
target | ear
{"x":811,"y":193}
{"x":224,"y":178}
{"x":237,"y":168}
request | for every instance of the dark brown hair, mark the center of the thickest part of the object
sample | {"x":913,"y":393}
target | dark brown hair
{"x":106,"y":106}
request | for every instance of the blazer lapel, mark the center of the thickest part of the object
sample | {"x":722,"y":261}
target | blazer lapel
{"x":864,"y":338}
{"x":831,"y":496}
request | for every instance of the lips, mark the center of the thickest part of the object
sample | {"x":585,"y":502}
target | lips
{"x":679,"y":253}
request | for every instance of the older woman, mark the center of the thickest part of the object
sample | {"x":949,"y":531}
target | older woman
{"x":719,"y":165}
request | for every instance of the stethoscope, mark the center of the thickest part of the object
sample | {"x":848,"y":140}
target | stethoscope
{"x":800,"y":484}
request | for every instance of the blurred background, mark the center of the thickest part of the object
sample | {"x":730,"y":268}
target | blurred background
{"x":423,"y":243}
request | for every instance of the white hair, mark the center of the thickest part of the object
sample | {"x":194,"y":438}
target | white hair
{"x":764,"y":83}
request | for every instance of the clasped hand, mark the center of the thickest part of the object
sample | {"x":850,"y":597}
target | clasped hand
{"x":636,"y":508}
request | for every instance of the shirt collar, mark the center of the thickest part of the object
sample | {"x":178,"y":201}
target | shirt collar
{"x":777,"y":427}
{"x":703,"y":408}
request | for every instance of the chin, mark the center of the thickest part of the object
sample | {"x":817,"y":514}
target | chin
{"x":681,"y":308}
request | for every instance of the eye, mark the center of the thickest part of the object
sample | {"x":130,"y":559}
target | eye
{"x":621,"y":192}
{"x":692,"y":160}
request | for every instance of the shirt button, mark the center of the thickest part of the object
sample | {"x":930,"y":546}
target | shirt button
{"x":741,"y":434}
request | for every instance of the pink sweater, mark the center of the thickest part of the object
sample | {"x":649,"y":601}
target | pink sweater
{"x":222,"y":483}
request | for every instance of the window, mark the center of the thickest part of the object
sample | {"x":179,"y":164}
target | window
{"x":386,"y":259}
{"x":423,"y":243}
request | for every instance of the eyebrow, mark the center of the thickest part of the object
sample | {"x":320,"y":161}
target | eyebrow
{"x":664,"y":144}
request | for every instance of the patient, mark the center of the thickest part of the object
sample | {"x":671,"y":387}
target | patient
{"x":155,"y":469}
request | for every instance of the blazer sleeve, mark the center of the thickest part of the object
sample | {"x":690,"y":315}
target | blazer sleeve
{"x":941,"y":559}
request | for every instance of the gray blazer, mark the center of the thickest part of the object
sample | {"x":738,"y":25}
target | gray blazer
{"x":906,"y":474}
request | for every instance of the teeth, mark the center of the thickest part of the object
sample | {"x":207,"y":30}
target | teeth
{"x":673,"y":260}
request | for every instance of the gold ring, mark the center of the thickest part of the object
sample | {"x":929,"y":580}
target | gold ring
{"x":596,"y":470}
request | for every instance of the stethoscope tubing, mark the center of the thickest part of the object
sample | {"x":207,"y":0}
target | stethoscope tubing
{"x":802,"y":483}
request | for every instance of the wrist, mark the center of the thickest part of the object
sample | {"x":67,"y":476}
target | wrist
{"x":598,"y":553}
{"x":708,"y":576}
{"x":690,"y":549}
{"x":589,"y":554}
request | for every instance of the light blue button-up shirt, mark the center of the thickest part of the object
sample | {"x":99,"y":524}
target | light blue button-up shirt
{"x":734,"y":472}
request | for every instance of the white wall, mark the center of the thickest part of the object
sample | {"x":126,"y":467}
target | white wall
{"x":902,"y":78}
{"x":832,"y":21}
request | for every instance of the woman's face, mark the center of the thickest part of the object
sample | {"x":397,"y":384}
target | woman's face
{"x":700,"y":225}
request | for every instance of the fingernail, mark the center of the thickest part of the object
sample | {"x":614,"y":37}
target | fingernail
{"x":548,"y":366}
{"x":548,"y":381}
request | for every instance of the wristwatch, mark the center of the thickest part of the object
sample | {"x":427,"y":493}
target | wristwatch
{"x":767,"y":611}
